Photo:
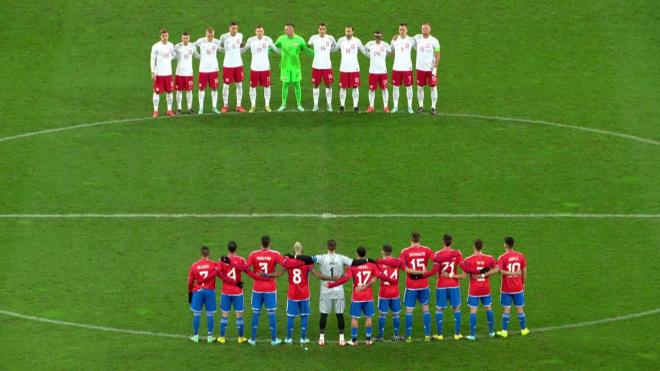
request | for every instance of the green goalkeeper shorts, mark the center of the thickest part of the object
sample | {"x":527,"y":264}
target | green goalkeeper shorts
{"x":291,"y":75}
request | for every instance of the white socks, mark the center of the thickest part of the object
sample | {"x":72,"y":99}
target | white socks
{"x":200,"y":98}
{"x":386,"y":97}
{"x":316,"y":92}
{"x":395,"y":96}
{"x":239,"y":95}
{"x":214,"y":98}
{"x":156,"y":99}
{"x":328,"y":96}
{"x":342,"y":97}
{"x":179,"y":99}
{"x":420,"y":96}
{"x":267,"y":96}
{"x":253,"y":97}
{"x":225,"y":95}
{"x":356,"y":97}
{"x":434,"y":96}
{"x":409,"y":94}
{"x":169,"y":98}
{"x":189,"y":99}
{"x":372,"y":97}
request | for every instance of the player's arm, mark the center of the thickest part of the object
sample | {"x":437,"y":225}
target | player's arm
{"x":321,"y":276}
{"x":191,"y":280}
{"x":276,"y":273}
{"x":524,"y":275}
{"x":347,"y":276}
{"x":395,"y":263}
{"x":245,"y":47}
{"x":362,"y":49}
{"x":434,"y":270}
{"x":274,"y":48}
{"x":306,"y":48}
{"x":291,"y":262}
{"x":436,"y":59}
{"x":152,"y":62}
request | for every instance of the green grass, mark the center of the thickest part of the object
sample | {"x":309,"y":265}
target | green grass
{"x":589,"y":64}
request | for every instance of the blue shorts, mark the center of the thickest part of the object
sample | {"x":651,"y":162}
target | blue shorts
{"x":393,"y":305}
{"x":451,"y":294}
{"x":297,"y":308}
{"x":228,"y":301}
{"x":473,"y":301}
{"x":264,"y":298}
{"x":518,"y":299}
{"x":411,"y":297}
{"x":203,"y":298}
{"x":359,"y":307}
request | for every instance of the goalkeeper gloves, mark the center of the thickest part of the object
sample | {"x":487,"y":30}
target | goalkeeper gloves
{"x":190,"y":298}
{"x":239,"y":284}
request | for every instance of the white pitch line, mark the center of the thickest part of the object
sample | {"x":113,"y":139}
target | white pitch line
{"x":325,"y":216}
{"x":176,"y":336}
{"x":447,"y":114}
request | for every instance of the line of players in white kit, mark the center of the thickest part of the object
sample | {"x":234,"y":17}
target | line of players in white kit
{"x":233,"y":45}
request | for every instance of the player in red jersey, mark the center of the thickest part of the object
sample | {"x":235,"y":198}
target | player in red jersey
{"x":513,"y":267}
{"x":416,"y":258}
{"x":364,"y":273}
{"x":388,"y":294}
{"x":298,"y":267}
{"x":480,"y":266}
{"x":447,"y":261}
{"x":263,"y":262}
{"x":201,"y":292}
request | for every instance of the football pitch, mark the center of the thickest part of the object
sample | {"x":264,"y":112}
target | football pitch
{"x":547,"y":131}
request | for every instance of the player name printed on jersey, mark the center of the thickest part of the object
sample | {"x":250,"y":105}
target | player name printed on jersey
{"x":426,"y":48}
{"x":402,"y":48}
{"x":322,"y":48}
{"x":208,"y":50}
{"x":199,"y":273}
{"x":232,"y":46}
{"x":264,"y":261}
{"x":416,"y":257}
{"x":512,"y":261}
{"x":349,"y":54}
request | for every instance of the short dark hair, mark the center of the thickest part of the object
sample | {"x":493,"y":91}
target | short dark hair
{"x":447,"y":240}
{"x":375,"y":32}
{"x":509,"y":241}
{"x":331,"y":243}
{"x":322,"y":24}
{"x":265,"y":241}
{"x":415,"y":237}
{"x":232,"y":246}
{"x":163,"y":30}
{"x":350,"y":26}
{"x":232,"y":23}
{"x":205,"y":251}
{"x":361,"y":251}
{"x":290,"y":24}
{"x":478,"y":244}
{"x":387,"y":249}
{"x":259,"y":26}
{"x":185,"y":33}
{"x":210,"y":29}
{"x":403,"y":25}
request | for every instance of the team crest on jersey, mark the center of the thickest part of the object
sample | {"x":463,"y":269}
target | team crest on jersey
{"x":352,"y":46}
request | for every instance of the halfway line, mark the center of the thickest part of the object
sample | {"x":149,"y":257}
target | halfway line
{"x":326,"y":216}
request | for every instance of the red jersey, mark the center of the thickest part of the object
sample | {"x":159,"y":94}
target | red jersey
{"x":199,"y":273}
{"x":416,"y":258}
{"x":264,"y":261}
{"x":512,"y":261}
{"x":389,"y":290}
{"x":473,"y":264}
{"x":298,"y":279}
{"x":361,"y":275}
{"x":448,"y":261}
{"x":233,"y":273}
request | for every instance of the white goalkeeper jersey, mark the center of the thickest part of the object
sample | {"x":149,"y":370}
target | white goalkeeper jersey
{"x":377,"y":55}
{"x":208,"y":50}
{"x":349,"y":53}
{"x":332,"y":265}
{"x":322,"y":48}
{"x":161,"y":58}
{"x":402,"y":48}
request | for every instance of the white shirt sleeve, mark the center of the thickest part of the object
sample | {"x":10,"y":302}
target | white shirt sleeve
{"x":272,"y":46}
{"x":311,"y":40}
{"x":152,"y":61}
{"x":346,"y":260}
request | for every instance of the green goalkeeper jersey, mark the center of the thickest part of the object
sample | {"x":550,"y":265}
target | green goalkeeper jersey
{"x":291,"y":48}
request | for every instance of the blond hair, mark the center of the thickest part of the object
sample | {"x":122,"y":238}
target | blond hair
{"x":297,"y":248}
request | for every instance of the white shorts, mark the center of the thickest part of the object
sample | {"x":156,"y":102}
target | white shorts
{"x":326,"y":305}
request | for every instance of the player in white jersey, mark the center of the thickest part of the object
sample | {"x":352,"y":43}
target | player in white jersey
{"x":377,"y":51}
{"x":323,"y":45}
{"x":162,"y":54}
{"x":402,"y":46}
{"x":232,"y":66}
{"x":259,"y":46}
{"x":332,"y":265}
{"x":183,"y":81}
{"x":428,"y":58}
{"x":349,"y":69}
{"x":209,"y":47}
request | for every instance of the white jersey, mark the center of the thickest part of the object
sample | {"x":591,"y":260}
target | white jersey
{"x":208,"y":50}
{"x":184,"y":58}
{"x":332,"y":265}
{"x":426,"y":49}
{"x":402,"y":49}
{"x":322,"y":47}
{"x":161,"y":58}
{"x":232,"y":46}
{"x":377,"y":54}
{"x":349,"y":54}
{"x":259,"y":49}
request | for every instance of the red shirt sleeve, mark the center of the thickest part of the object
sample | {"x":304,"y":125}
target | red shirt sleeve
{"x":292,"y":263}
{"x":191,"y":279}
{"x":396,"y":263}
{"x":434,"y":270}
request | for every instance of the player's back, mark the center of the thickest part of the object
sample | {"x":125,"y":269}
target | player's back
{"x":449,"y":260}
{"x":332,"y":265}
{"x":362,"y":274}
{"x":233,"y":273}
{"x":299,"y":282}
{"x":512,"y":261}
{"x":388,"y":290}
{"x":264,"y":261}
{"x":417,"y":258}
{"x":199,"y":272}
{"x":479,"y":286}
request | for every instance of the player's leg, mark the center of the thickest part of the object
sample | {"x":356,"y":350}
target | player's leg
{"x":202,"y":81}
{"x":257,"y":303}
{"x":421,"y":83}
{"x":156,"y":102}
{"x":238,"y":79}
{"x":343,"y":85}
{"x":395,"y":307}
{"x":519,"y":302}
{"x":486,"y":301}
{"x":356,"y":91}
{"x":196,"y":308}
{"x":189,"y":93}
{"x":271,"y":306}
{"x":225,"y":307}
{"x":356,"y":311}
{"x":304,"y":317}
{"x":409,"y":299}
{"x":240,"y":324}
{"x":316,"y":93}
{"x":254,"y":82}
{"x":383,"y":305}
{"x":298,"y":92}
{"x":424,"y":298}
{"x":291,"y":313}
{"x":396,"y":81}
{"x":372,"y":98}
{"x":179,"y":87}
{"x":329,"y":78}
{"x":505,"y":300}
{"x":409,"y":91}
{"x":455,"y":302}
{"x":225,"y":97}
{"x":214,"y":83}
{"x":339,"y":306}
{"x":434,"y":93}
{"x":210,"y":306}
{"x":440,"y":304}
{"x":385,"y":93}
{"x":368,"y":310}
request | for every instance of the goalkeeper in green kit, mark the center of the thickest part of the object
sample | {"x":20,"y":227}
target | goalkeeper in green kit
{"x":291,"y":45}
